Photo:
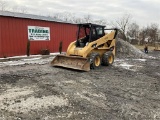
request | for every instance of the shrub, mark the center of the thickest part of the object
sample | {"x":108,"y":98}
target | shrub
{"x":45,"y":52}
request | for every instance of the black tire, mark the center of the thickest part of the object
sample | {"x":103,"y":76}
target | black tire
{"x":107,"y":59}
{"x":95,"y":60}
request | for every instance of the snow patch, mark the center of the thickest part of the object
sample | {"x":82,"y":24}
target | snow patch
{"x":100,"y":104}
{"x":38,"y":60}
{"x":152,"y":57}
{"x":126,"y":66}
{"x":69,"y":82}
{"x":158,"y":73}
{"x":143,"y":60}
{"x":15,"y":92}
{"x":125,"y":63}
{"x":31,"y":59}
{"x":118,"y":60}
{"x":33,"y":103}
{"x":86,"y":81}
{"x":20,"y":100}
{"x":25,"y":56}
{"x":57,"y":53}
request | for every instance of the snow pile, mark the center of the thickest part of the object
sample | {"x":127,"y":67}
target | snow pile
{"x":125,"y":49}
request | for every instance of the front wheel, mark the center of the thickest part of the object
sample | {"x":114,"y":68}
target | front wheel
{"x":107,"y":59}
{"x":95,"y":60}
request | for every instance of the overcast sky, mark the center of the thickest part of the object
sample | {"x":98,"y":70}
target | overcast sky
{"x":143,"y":12}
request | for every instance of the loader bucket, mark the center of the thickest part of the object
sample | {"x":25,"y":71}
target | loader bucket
{"x":73,"y":62}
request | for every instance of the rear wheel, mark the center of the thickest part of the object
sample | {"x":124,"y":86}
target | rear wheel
{"x":107,"y":59}
{"x":95,"y":60}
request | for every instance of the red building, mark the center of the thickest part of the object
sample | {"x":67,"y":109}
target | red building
{"x":42,"y":32}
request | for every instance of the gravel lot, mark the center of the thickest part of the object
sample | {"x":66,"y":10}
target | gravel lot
{"x":128,"y":90}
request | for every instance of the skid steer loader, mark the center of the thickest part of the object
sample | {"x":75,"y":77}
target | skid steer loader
{"x":92,"y":48}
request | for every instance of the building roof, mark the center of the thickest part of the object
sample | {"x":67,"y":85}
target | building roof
{"x":30,"y":16}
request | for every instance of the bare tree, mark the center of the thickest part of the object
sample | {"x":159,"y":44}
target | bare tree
{"x":149,"y":34}
{"x":78,"y":20}
{"x":153,"y":30}
{"x":101,"y":22}
{"x":122,"y":24}
{"x":56,"y":16}
{"x":68,"y":17}
{"x":133,"y":30}
{"x":88,"y":18}
{"x":23,"y":9}
{"x":3,"y":5}
{"x":64,"y":16}
{"x":143,"y":35}
{"x":15,"y":9}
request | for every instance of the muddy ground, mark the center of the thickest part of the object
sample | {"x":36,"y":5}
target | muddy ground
{"x":127,"y":90}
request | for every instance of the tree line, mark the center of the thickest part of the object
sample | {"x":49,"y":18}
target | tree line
{"x":4,"y":6}
{"x":128,"y":29}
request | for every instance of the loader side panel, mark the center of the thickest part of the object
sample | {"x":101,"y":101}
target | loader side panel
{"x":85,"y":51}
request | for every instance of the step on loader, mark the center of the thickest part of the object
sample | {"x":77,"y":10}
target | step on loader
{"x":92,"y":48}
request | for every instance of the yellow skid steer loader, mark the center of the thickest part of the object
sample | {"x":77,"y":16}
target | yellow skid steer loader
{"x":92,"y":48}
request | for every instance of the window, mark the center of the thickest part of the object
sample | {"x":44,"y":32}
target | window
{"x":99,"y":30}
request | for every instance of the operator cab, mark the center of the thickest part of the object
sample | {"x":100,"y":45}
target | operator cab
{"x":88,"y":33}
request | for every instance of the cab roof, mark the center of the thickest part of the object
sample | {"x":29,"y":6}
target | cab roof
{"x":90,"y":25}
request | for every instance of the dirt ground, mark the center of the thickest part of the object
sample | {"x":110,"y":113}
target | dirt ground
{"x":127,"y":90}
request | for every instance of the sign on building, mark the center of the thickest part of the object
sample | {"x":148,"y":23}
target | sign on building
{"x":38,"y":33}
